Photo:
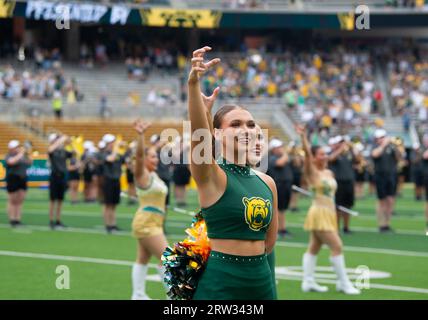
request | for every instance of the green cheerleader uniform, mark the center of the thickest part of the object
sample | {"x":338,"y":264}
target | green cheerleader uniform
{"x":243,"y":212}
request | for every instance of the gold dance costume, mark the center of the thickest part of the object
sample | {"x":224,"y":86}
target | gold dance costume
{"x":322,"y":213}
{"x":148,"y":220}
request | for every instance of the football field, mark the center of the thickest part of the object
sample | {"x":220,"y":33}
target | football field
{"x":392,"y":266}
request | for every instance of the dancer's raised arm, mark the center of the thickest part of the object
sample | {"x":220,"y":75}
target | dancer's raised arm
{"x":309,"y":169}
{"x":141,"y":173}
{"x":202,"y":172}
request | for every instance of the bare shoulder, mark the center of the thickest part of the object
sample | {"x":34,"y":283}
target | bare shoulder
{"x":330,"y":173}
{"x":266,"y":178}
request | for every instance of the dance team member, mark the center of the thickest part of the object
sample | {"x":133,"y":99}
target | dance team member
{"x":147,"y":225}
{"x":321,"y":220}
{"x":238,"y":203}
{"x":256,"y":153}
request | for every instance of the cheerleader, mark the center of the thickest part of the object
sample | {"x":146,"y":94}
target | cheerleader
{"x":321,"y":220}
{"x":239,"y":204}
{"x":147,"y":225}
{"x":256,"y":153}
{"x":17,"y":161}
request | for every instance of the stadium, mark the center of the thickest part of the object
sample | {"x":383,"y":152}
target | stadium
{"x":75,"y":75}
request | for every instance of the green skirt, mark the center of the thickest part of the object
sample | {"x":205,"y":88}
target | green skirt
{"x":271,"y":261}
{"x":230,"y":277}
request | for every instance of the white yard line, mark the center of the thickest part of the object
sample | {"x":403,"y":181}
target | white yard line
{"x":375,"y":230}
{"x":130,"y":263}
{"x":361,"y":249}
{"x":182,"y":236}
{"x":120,"y":216}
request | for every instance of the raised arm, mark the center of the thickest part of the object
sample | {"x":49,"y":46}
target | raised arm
{"x":308,"y":167}
{"x":377,"y":152}
{"x":16,"y":158}
{"x":198,"y":113}
{"x":140,"y":172}
{"x":60,"y":141}
{"x":336,"y":153}
{"x":209,"y":104}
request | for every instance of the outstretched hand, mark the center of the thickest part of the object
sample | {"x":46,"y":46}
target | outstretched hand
{"x":140,"y":126}
{"x":209,"y":101}
{"x":199,"y":67}
{"x":300,"y":129}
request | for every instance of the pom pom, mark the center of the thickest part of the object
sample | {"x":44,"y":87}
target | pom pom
{"x":186,"y":260}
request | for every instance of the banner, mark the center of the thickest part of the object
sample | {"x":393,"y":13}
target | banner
{"x":159,"y":17}
{"x":121,"y":14}
{"x":6,"y":8}
{"x":38,"y":173}
{"x":81,"y":12}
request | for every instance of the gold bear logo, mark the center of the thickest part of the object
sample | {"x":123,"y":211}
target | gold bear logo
{"x":256,"y":212}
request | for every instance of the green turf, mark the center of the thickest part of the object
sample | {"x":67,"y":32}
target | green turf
{"x":403,"y":254}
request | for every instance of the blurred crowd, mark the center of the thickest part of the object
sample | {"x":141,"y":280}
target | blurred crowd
{"x":44,"y":79}
{"x":323,"y":88}
{"x":408,"y":82}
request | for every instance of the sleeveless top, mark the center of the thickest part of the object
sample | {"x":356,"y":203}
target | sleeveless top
{"x":152,"y":198}
{"x":244,"y":211}
{"x":324,"y":193}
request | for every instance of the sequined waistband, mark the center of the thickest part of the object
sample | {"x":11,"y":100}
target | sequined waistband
{"x":237,"y":259}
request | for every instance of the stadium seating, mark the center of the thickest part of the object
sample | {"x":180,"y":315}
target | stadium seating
{"x":95,"y":129}
{"x":9,"y":132}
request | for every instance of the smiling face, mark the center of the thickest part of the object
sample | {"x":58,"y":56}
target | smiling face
{"x":235,"y":129}
{"x":320,"y":157}
{"x":256,"y":148}
{"x":151,"y":159}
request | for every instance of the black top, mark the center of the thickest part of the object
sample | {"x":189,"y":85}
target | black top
{"x":386,"y":163}
{"x":279,"y":173}
{"x":425,"y":165}
{"x":73,"y":162}
{"x":89,"y":161}
{"x":99,"y":159}
{"x":19,"y":168}
{"x":113,"y":170}
{"x":58,"y":160}
{"x":297,"y":169}
{"x":417,"y":160}
{"x":164,"y":170}
{"x":342,"y":167}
